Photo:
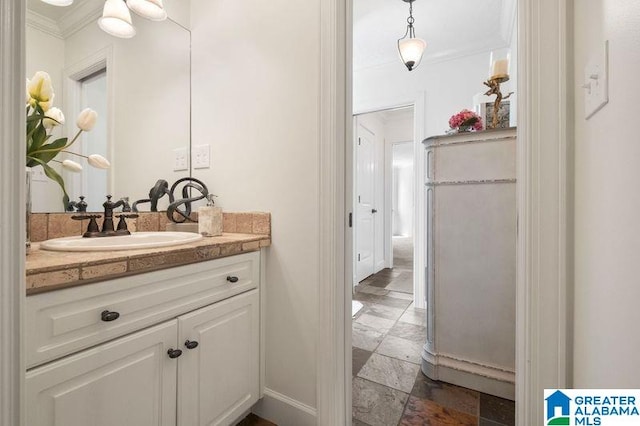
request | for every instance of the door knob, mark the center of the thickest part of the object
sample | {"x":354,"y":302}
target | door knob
{"x":232,"y":279}
{"x":191,"y":344}
{"x":109,"y":316}
{"x":374,"y":211}
{"x":174,"y":353}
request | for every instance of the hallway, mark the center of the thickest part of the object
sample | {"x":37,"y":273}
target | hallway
{"x":388,"y":334}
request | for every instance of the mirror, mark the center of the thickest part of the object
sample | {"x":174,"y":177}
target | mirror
{"x":139,"y":86}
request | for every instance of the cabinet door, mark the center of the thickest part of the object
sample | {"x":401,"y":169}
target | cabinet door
{"x":130,"y":381}
{"x":218,"y":379}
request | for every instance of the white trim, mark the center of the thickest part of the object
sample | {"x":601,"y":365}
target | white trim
{"x":12,"y":210}
{"x":334,"y":343}
{"x":43,"y":23}
{"x":418,"y":101}
{"x":284,"y":411}
{"x":470,"y":374}
{"x":73,"y":76}
{"x":84,"y":14}
{"x":542,"y":359}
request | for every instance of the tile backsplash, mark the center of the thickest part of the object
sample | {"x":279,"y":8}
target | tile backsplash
{"x":45,"y":226}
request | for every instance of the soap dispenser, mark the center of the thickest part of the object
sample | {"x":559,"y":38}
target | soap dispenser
{"x":210,"y":219}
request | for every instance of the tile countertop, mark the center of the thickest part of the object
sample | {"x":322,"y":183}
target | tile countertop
{"x":51,"y":270}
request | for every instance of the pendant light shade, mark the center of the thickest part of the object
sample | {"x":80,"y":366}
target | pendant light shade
{"x":410,"y":47}
{"x":411,"y":50}
{"x":116,"y":19}
{"x":59,"y":2}
{"x":150,"y":9}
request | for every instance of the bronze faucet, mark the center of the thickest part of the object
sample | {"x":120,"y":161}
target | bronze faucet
{"x":107,"y":223}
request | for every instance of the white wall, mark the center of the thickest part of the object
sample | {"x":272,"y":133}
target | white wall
{"x":402,"y":182}
{"x":255,"y":100}
{"x":607,"y":202}
{"x":449,"y":87}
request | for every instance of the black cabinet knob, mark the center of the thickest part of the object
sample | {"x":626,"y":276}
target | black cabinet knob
{"x":232,"y":279}
{"x":191,"y":344}
{"x":174,"y":353}
{"x":374,"y":211}
{"x":109,"y":316}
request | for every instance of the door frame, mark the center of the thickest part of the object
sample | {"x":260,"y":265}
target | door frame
{"x":12,"y":225}
{"x":543,"y":352}
{"x":417,"y":101}
{"x":388,"y":195}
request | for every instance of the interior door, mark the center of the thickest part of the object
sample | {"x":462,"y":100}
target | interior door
{"x":365,"y":185}
{"x":218,"y":382}
{"x":130,"y":381}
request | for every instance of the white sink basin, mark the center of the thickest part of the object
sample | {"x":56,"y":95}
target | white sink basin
{"x":137,"y":240}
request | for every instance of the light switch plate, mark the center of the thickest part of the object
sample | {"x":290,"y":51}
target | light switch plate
{"x":200,"y":156}
{"x":180,"y":159}
{"x":596,"y":82}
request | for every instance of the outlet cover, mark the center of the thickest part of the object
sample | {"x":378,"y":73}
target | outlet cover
{"x":200,"y":156}
{"x":180,"y":160}
{"x":596,"y":82}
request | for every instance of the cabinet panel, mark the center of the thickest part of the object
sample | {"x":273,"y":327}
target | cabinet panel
{"x":127,"y":382}
{"x":219,"y":379}
{"x":61,"y":322}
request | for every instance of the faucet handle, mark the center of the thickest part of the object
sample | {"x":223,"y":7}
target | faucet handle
{"x":122,"y":223}
{"x":92,"y":228}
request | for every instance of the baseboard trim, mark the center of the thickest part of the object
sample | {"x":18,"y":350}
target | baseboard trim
{"x":283,"y":410}
{"x":469,"y":374}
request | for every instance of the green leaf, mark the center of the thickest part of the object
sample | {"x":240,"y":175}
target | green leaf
{"x":53,"y":175}
{"x":48,"y":152}
{"x":39,"y":137}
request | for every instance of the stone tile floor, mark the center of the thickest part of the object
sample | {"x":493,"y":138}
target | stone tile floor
{"x":388,"y":387}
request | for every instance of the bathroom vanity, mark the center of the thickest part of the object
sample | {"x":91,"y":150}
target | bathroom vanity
{"x":174,"y":339}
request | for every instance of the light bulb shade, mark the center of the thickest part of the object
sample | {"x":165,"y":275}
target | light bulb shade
{"x":150,"y":9}
{"x":59,"y":2}
{"x":411,"y":50}
{"x":116,"y":19}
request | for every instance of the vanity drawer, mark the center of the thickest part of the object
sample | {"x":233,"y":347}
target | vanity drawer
{"x":64,"y":321}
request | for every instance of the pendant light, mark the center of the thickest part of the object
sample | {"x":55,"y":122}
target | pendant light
{"x":59,"y":2}
{"x":410,"y":47}
{"x":150,"y":9}
{"x":116,"y":19}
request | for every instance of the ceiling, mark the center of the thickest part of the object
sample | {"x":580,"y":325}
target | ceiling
{"x":451,"y":28}
{"x":62,"y":21}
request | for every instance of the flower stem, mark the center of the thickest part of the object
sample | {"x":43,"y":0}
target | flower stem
{"x":73,"y":153}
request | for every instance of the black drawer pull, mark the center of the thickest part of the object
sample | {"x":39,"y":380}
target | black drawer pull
{"x":191,"y":344}
{"x":174,"y":353}
{"x":109,"y":316}
{"x":232,"y":279}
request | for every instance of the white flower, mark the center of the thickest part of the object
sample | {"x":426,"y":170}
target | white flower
{"x":55,"y":114}
{"x":98,"y":161}
{"x":41,"y":89}
{"x":28,"y":96}
{"x":72,"y":166}
{"x":87,"y":119}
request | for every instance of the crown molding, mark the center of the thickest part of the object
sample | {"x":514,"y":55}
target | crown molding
{"x":44,"y":24}
{"x":79,"y":17}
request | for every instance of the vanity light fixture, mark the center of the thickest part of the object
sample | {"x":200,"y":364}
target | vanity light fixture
{"x":153,"y":10}
{"x":59,"y":2}
{"x":410,"y":47}
{"x":116,"y":19}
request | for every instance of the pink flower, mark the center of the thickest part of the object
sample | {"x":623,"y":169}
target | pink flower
{"x":466,"y":118}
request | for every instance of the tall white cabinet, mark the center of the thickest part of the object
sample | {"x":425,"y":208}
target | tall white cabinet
{"x":189,"y":356}
{"x":470,"y":195}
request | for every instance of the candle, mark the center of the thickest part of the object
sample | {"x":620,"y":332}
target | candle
{"x":500,"y":68}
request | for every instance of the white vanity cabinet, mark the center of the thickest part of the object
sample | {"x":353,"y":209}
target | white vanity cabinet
{"x":197,"y":363}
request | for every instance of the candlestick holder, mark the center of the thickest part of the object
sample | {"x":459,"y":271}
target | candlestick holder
{"x":494,"y":89}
